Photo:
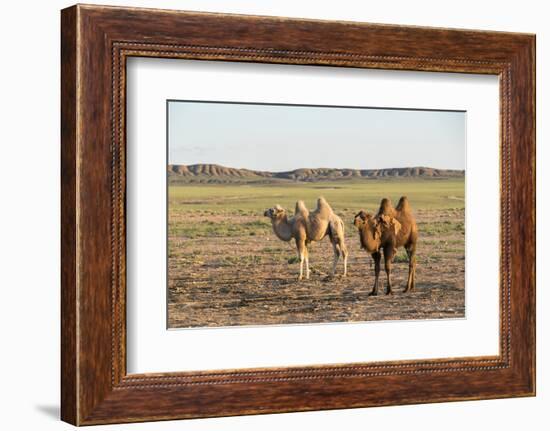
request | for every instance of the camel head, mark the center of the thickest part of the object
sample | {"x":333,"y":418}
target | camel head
{"x":364,"y":220}
{"x":360,"y":219}
{"x":274,"y":213}
{"x":369,"y":228}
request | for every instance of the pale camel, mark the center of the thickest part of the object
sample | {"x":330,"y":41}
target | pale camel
{"x":306,"y":227}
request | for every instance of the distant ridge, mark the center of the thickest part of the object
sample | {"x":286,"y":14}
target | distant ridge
{"x":220,"y":174}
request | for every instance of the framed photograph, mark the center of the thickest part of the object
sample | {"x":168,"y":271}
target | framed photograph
{"x":264,"y":214}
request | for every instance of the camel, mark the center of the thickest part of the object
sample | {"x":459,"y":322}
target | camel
{"x":306,"y":227}
{"x":388,"y":230}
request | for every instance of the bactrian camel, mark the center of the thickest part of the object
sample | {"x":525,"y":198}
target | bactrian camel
{"x":305,"y":226}
{"x":388,"y":230}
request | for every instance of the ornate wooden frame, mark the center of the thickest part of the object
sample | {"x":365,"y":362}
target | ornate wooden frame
{"x":95,"y":42}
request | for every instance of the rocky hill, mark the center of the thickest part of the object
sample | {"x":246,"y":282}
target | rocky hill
{"x":211,"y":173}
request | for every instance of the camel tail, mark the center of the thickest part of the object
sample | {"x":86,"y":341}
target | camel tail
{"x":343,"y":242}
{"x":336,"y":230}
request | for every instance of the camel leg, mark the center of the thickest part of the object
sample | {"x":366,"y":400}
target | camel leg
{"x":413,"y":278}
{"x":376,"y":257}
{"x":306,"y":251}
{"x":336,"y":249}
{"x":301,"y":247}
{"x":411,"y":253}
{"x":389,"y":253}
{"x":345,"y":257}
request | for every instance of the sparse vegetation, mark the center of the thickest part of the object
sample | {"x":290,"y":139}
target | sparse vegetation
{"x":226,"y":267}
{"x":401,"y":258}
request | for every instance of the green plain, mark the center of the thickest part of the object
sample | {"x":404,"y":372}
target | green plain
{"x":342,"y":195}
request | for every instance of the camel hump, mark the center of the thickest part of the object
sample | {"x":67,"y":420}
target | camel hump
{"x":323,"y":208}
{"x":392,"y":223}
{"x":386,"y":208}
{"x":301,"y":208}
{"x":403,"y":205}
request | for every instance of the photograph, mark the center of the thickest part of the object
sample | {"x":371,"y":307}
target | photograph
{"x":284,"y":214}
{"x":275,"y":216}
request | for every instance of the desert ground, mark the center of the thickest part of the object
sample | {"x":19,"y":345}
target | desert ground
{"x":226,"y":267}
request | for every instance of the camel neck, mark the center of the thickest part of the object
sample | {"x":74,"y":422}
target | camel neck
{"x":368,"y":241}
{"x":282,"y":228}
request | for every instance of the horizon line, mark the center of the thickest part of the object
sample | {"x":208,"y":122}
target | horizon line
{"x":321,"y":167}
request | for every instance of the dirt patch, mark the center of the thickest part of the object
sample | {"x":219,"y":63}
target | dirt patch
{"x":229,"y":269}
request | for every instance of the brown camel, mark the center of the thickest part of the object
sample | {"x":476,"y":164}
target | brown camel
{"x":306,"y":227}
{"x":388,"y":230}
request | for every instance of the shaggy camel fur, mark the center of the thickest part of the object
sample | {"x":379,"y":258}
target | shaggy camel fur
{"x":388,"y":230}
{"x":306,"y":227}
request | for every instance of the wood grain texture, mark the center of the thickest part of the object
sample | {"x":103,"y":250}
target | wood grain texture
{"x":69,"y":366}
{"x":96,"y":41}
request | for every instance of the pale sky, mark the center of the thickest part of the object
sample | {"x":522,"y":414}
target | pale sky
{"x":281,"y":138}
